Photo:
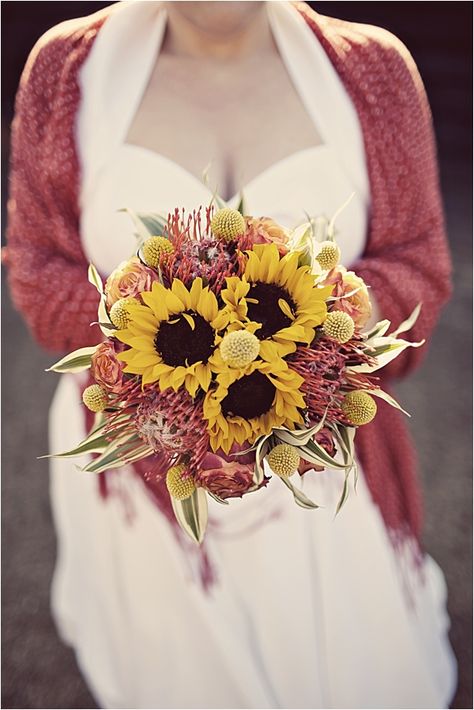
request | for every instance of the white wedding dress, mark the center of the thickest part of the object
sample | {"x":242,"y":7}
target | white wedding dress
{"x":307,"y":611}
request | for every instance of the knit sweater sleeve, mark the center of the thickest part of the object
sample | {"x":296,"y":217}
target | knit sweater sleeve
{"x":407,"y":260}
{"x":47,"y":268}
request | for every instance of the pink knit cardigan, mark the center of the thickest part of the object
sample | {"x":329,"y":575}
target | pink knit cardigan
{"x":406,"y":259}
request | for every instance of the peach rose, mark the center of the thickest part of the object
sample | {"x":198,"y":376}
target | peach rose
{"x":264,"y":230}
{"x":129,"y":279}
{"x":105,"y":368}
{"x":226,"y":479}
{"x":358,"y":306}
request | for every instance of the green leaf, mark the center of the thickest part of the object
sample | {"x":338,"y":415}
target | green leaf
{"x":299,"y":437}
{"x":320,"y":455}
{"x":344,"y":494}
{"x":192,"y":514}
{"x":389,"y":399}
{"x":300,"y":498}
{"x":379,"y":329}
{"x":94,"y":278}
{"x":122,"y":451}
{"x":96,"y":445}
{"x":384,"y":349}
{"x":147,"y":224}
{"x":76,"y":361}
{"x":408,"y":323}
{"x":240,"y":206}
{"x":217,"y":498}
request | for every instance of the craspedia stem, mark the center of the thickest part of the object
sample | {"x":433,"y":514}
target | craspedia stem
{"x":359,"y":407}
{"x":95,"y":398}
{"x":339,"y":326}
{"x":284,"y":460}
{"x":179,"y":488}
{"x":227,"y":224}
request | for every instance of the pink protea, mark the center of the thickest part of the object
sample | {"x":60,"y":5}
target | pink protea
{"x":323,"y":366}
{"x":173,"y":422}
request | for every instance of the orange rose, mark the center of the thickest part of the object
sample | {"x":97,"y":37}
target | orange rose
{"x":129,"y":279}
{"x":264,"y":230}
{"x":105,"y":368}
{"x":358,"y":305}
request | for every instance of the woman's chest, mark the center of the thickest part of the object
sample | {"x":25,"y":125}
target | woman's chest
{"x":234,"y":119}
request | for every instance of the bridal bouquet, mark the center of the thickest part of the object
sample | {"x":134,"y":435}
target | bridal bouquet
{"x":233,"y":350}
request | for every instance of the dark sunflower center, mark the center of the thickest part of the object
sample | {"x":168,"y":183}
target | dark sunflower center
{"x":249,"y":397}
{"x":267,"y":310}
{"x":178,"y":344}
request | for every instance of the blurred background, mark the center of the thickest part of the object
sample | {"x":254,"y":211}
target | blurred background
{"x":38,"y":671}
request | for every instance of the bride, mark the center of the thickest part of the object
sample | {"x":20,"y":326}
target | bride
{"x":295,"y":110}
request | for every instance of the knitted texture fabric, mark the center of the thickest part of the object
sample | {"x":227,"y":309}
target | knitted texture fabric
{"x":406,"y":259}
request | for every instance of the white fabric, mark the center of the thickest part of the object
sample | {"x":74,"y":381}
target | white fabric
{"x":308,"y":611}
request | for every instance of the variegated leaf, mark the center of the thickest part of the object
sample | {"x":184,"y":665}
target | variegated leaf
{"x":300,"y":498}
{"x":77,"y":361}
{"x":408,"y":323}
{"x":94,"y":278}
{"x":192,"y":514}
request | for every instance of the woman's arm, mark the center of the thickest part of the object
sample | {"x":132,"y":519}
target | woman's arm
{"x":46,"y":264}
{"x":409,"y":262}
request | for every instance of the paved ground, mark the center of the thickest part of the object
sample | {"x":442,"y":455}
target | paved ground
{"x":38,"y":672}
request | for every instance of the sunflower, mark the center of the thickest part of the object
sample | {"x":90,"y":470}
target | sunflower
{"x":276,"y":299}
{"x":250,"y":401}
{"x":172,"y":335}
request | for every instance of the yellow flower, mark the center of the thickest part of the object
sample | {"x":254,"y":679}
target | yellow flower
{"x":247,"y":403}
{"x":172,"y":336}
{"x":284,"y":460}
{"x":227,"y":224}
{"x":277,"y":299}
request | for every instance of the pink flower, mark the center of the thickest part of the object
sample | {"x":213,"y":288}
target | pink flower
{"x":129,"y":279}
{"x":105,"y":368}
{"x":358,"y":305}
{"x":264,"y":230}
{"x":323,"y":438}
{"x":225,"y":476}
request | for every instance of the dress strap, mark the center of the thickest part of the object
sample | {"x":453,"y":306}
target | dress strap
{"x":321,"y":91}
{"x":113,"y":80}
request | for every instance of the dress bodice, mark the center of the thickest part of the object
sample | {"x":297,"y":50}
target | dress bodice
{"x":309,"y":182}
{"x":313,"y":181}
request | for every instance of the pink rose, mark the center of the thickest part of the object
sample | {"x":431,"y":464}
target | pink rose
{"x":129,"y":279}
{"x":105,"y":368}
{"x":323,"y":438}
{"x":225,"y":478}
{"x":264,"y":230}
{"x":358,"y":305}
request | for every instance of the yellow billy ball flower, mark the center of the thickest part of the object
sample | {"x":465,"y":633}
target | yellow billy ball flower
{"x":119,"y":314}
{"x":359,"y":407}
{"x":239,"y":348}
{"x":284,"y":460}
{"x":227,"y":224}
{"x":154,"y":248}
{"x":95,"y":398}
{"x":329,"y":256}
{"x":339,"y":326}
{"x":179,"y":488}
